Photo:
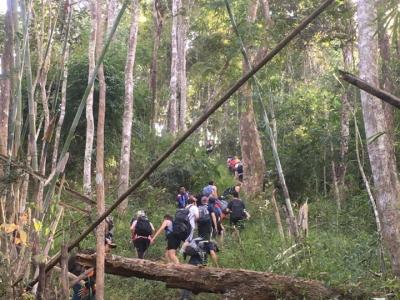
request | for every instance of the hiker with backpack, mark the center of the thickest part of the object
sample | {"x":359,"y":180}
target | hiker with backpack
{"x":237,"y":210}
{"x":142,"y":231}
{"x":232,"y":163}
{"x":228,"y":192}
{"x":217,"y":206}
{"x":239,"y":171}
{"x":193,"y":218}
{"x":210,"y":190}
{"x":182,"y":197}
{"x":172,"y":242}
{"x":206,"y":220}
{"x":198,"y":251}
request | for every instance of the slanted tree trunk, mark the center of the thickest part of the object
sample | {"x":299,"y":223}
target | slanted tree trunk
{"x":250,"y":143}
{"x":380,"y":148}
{"x":101,"y":13}
{"x":172,"y":105}
{"x":230,"y":283}
{"x":87,"y":165}
{"x":124,"y":164}
{"x":158,"y":19}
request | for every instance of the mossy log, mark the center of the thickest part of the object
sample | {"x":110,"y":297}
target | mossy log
{"x":232,"y":283}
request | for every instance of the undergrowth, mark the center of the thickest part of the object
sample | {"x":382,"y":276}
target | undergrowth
{"x":340,"y":250}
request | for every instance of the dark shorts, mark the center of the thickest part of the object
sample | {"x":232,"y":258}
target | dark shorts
{"x":236,"y":222}
{"x":141,"y":244}
{"x":173,"y":242}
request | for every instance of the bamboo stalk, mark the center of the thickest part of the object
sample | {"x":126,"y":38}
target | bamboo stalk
{"x":370,"y":195}
{"x":268,"y":57}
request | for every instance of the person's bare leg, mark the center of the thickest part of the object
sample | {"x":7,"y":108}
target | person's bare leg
{"x":172,"y":256}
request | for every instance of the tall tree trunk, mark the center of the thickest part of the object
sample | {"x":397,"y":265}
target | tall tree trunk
{"x":172,"y":105}
{"x":112,"y":11}
{"x":250,"y":143}
{"x":100,"y":190}
{"x":183,"y":21}
{"x":62,"y":110}
{"x":5,"y":87}
{"x":380,"y":149}
{"x":124,"y":164}
{"x":87,"y":166}
{"x":386,"y":80}
{"x":158,"y":19}
{"x":347,"y":52}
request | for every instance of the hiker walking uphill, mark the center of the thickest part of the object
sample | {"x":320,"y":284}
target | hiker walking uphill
{"x":237,"y":211}
{"x":141,"y":230}
{"x":198,"y":251}
{"x":172,"y":242}
{"x":210,"y":190}
{"x":204,"y":223}
{"x":179,"y":229}
{"x":182,"y":197}
{"x":193,"y":218}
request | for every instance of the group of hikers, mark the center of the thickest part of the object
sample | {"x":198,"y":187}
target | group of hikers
{"x":197,"y":222}
{"x":199,"y":215}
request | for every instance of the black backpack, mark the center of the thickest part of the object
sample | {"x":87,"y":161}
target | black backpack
{"x":181,"y":227}
{"x":143,"y":227}
{"x":237,"y":209}
{"x":204,"y":214}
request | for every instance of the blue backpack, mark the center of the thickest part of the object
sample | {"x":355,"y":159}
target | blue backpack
{"x":208,"y":190}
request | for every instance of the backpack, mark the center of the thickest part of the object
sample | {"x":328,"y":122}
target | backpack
{"x":196,"y":247}
{"x":208,"y":190}
{"x":204,"y":214}
{"x":181,"y":227}
{"x":143,"y":227}
{"x":222,"y":204}
{"x":237,"y":209}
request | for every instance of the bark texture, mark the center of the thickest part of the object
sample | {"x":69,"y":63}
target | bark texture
{"x":182,"y":82}
{"x":124,"y":164}
{"x":250,"y":142}
{"x":380,"y":149}
{"x":172,"y":105}
{"x":100,"y":189}
{"x":347,"y":52}
{"x":158,"y":19}
{"x":5,"y":84}
{"x":233,"y":283}
{"x":87,"y":165}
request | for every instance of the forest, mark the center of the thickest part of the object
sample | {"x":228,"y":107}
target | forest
{"x":209,"y":149}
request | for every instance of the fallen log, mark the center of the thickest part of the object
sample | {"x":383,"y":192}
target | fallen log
{"x":365,"y":86}
{"x":232,"y":283}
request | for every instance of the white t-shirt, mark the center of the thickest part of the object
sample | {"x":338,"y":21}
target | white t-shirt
{"x":193,"y":215}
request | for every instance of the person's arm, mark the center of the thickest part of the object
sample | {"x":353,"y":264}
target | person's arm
{"x":133,"y":228}
{"x":152,"y":228}
{"x":162,"y":227}
{"x":229,"y":206}
{"x":214,"y":258}
{"x":196,"y":214}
